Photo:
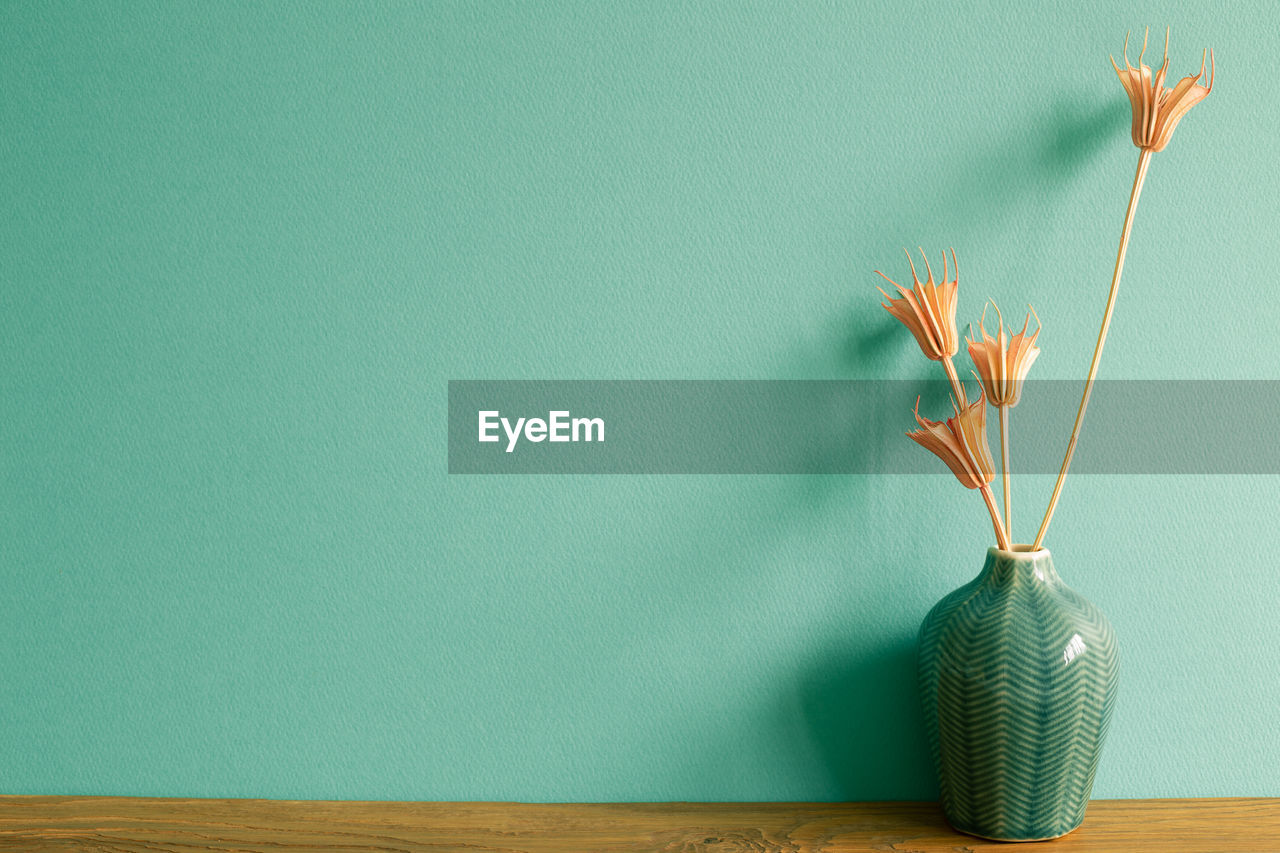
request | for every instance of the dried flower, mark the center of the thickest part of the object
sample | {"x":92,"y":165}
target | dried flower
{"x":1002,"y":364}
{"x":960,"y":441}
{"x":928,"y":309}
{"x":1157,"y":110}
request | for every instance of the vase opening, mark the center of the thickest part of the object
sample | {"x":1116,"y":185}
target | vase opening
{"x":1019,"y":548}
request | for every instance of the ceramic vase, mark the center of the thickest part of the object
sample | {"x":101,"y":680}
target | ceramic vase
{"x":1018,"y":678}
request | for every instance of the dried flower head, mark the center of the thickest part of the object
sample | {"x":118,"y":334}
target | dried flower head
{"x":1157,"y":110}
{"x":960,"y":441}
{"x":1002,"y":363}
{"x":928,"y":309}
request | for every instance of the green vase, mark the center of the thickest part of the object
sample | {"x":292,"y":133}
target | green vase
{"x":1018,"y":678}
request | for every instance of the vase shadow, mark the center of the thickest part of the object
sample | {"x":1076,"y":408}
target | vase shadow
{"x":861,"y":712}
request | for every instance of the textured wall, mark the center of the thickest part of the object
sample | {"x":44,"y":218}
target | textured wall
{"x":244,"y":246}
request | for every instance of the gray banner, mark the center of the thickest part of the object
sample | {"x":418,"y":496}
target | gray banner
{"x":849,"y":427}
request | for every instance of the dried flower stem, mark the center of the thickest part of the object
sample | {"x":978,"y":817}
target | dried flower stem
{"x":1002,"y":538}
{"x":957,"y":387}
{"x":1004,"y":467}
{"x":1143,"y":159}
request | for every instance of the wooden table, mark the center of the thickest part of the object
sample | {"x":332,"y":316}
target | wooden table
{"x":153,"y":825}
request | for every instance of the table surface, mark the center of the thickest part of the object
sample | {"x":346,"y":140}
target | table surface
{"x":148,"y":824}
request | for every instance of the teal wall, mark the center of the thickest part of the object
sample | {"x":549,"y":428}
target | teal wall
{"x":245,"y":245}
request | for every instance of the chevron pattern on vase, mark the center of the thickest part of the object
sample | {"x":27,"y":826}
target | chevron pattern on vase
{"x":1018,"y":677}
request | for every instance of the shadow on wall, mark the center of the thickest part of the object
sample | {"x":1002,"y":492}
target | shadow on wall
{"x":858,"y":708}
{"x":862,"y":713}
{"x":1018,"y":176}
{"x":983,"y":204}
{"x":862,"y":708}
{"x":1077,"y":133}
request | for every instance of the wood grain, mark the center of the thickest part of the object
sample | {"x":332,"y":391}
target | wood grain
{"x":180,"y":826}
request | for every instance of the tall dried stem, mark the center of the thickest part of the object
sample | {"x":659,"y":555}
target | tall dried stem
{"x":1143,"y":159}
{"x":1004,"y":467}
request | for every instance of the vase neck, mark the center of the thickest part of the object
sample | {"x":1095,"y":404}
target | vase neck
{"x":1018,"y":567}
